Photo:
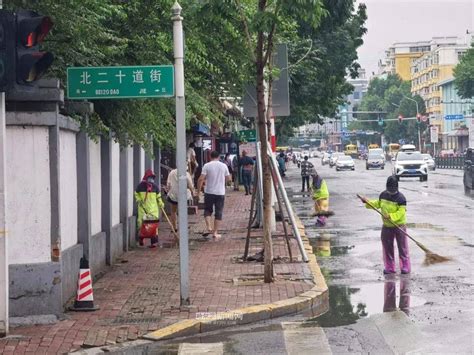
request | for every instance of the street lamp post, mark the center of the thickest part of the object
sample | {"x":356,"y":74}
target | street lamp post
{"x":181,"y":153}
{"x":417,"y":114}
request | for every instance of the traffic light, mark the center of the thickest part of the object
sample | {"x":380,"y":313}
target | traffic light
{"x":31,"y":63}
{"x":380,"y":121}
{"x":20,"y":36}
{"x":400,"y":119}
{"x":418,"y":118}
{"x":7,"y":49}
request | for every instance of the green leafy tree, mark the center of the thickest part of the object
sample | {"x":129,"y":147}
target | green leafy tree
{"x":464,"y":75}
{"x":392,"y":96}
{"x":321,"y":58}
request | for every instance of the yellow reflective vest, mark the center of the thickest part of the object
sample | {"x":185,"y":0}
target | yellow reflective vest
{"x":395,"y":206}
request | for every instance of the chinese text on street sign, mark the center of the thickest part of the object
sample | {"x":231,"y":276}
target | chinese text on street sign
{"x":120,"y":82}
{"x":247,"y":135}
{"x":454,"y":117}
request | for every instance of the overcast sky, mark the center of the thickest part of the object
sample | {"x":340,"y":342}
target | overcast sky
{"x":392,"y":21}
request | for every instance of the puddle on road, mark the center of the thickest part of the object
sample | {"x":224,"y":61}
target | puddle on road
{"x":348,"y":304}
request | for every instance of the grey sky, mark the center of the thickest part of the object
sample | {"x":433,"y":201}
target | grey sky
{"x":392,"y":21}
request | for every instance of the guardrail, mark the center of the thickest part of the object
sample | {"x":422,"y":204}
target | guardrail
{"x":449,"y":162}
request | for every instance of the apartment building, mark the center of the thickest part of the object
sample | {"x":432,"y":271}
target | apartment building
{"x":399,"y":56}
{"x":432,"y":68}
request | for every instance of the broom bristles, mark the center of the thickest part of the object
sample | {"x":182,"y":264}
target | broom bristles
{"x":324,"y":214}
{"x":432,"y":258}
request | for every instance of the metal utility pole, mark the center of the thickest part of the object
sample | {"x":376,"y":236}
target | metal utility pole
{"x":417,"y":115}
{"x":181,"y":152}
{"x":3,"y":219}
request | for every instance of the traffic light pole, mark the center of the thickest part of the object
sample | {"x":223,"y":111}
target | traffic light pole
{"x":3,"y":220}
{"x":181,"y":153}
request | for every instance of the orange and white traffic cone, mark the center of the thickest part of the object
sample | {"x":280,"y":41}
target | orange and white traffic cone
{"x":85,"y":296}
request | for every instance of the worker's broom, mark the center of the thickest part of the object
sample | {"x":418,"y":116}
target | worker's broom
{"x":323,"y":214}
{"x":176,"y":237}
{"x":430,"y":257}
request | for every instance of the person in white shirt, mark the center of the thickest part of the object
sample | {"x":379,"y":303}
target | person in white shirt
{"x":172,"y":188}
{"x":214,"y":174}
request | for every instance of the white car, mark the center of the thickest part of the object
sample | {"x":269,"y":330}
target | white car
{"x":334,"y":156}
{"x":345,"y":162}
{"x":410,"y":164}
{"x":429,"y":161}
{"x":325,"y":158}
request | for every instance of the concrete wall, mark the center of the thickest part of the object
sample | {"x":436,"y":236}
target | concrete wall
{"x":131,"y":181}
{"x":115,"y":184}
{"x":28,"y":199}
{"x":55,"y":179}
{"x":68,"y":189}
{"x":95,"y":183}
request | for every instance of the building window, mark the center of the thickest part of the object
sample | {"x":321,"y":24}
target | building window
{"x":356,"y":95}
{"x":460,"y":55}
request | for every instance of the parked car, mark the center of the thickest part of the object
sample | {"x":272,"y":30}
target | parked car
{"x":325,"y":158}
{"x":374,"y":161}
{"x":410,"y":164}
{"x":429,"y":161}
{"x":334,"y":156}
{"x":468,"y":178}
{"x":345,"y":162}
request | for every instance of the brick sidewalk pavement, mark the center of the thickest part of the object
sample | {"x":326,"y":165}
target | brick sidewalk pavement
{"x":140,"y":293}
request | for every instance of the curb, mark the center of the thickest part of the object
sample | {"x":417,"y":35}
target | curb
{"x":317,"y":299}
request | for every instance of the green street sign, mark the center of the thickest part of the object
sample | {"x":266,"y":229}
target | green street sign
{"x":120,"y":82}
{"x":248,"y":135}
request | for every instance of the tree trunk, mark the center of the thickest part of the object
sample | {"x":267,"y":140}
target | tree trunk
{"x":262,"y":130}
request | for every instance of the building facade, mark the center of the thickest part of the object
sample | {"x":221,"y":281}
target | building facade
{"x":399,"y":56}
{"x":457,"y":118}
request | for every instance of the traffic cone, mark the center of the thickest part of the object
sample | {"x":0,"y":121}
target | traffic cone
{"x":85,"y":298}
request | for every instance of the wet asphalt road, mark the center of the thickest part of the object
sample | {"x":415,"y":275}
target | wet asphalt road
{"x":429,"y":311}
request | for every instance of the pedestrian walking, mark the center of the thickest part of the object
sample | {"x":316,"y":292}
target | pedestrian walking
{"x":228,"y":162}
{"x":172,"y":188}
{"x":281,"y":163}
{"x":214,"y":176}
{"x":149,"y":203}
{"x":320,"y":194}
{"x":235,"y":172}
{"x":392,"y":204}
{"x":247,"y":164}
{"x":306,"y":167}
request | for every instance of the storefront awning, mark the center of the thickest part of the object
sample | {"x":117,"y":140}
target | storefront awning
{"x":201,"y":128}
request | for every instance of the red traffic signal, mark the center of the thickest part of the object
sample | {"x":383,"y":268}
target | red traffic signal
{"x":400,"y":118}
{"x":31,"y":30}
{"x":418,"y":117}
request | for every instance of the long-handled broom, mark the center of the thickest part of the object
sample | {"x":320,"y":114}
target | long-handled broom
{"x":171,"y":225}
{"x":430,"y":257}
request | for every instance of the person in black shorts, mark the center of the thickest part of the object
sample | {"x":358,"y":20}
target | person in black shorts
{"x":214,"y":174}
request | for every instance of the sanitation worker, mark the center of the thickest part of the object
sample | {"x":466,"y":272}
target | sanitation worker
{"x":392,"y":204}
{"x":149,"y":203}
{"x":320,"y":193}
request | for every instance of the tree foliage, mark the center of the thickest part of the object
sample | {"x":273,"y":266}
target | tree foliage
{"x":318,"y":83}
{"x":393,"y":96}
{"x":464,"y":75}
{"x":110,"y":32}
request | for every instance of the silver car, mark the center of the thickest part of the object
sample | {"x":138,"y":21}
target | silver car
{"x":429,"y":161}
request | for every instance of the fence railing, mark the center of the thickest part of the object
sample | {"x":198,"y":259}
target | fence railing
{"x":449,"y":162}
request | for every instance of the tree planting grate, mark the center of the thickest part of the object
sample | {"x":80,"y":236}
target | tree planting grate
{"x":135,"y":320}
